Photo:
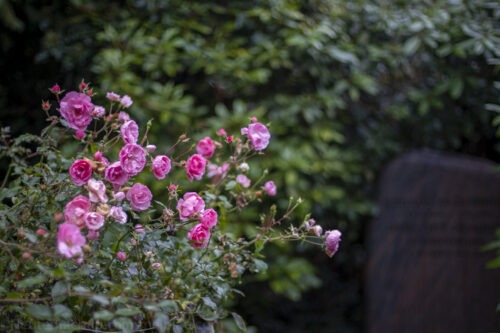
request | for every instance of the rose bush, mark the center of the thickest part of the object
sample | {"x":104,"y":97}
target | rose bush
{"x":86,"y":245}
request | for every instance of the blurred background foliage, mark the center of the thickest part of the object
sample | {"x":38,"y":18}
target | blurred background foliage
{"x":345,"y":86}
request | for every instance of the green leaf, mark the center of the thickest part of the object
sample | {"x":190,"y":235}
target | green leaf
{"x":128,"y":312}
{"x":208,"y":302}
{"x":161,"y":322}
{"x":31,"y":281}
{"x":100,"y":299}
{"x":124,"y":324}
{"x":39,"y":311}
{"x":60,"y":288}
{"x":239,"y":321}
{"x":104,"y":315}
{"x":411,"y":45}
{"x":62,"y":311}
{"x":168,"y":306}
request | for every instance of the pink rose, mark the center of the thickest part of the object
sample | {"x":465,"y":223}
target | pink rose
{"x":132,"y":158}
{"x":80,"y":172}
{"x":195,"y":167}
{"x":129,"y":131}
{"x":199,"y":236}
{"x":97,"y":191}
{"x":94,"y":221}
{"x":76,"y":109}
{"x":126,"y":101}
{"x":243,"y":180}
{"x":318,"y":230}
{"x":209,"y":218}
{"x":258,"y":134}
{"x":115,"y":174}
{"x":113,"y":97}
{"x":190,"y":204}
{"x":119,"y":196}
{"x":150,"y":148}
{"x":70,"y":240}
{"x":122,"y":256}
{"x":93,"y":234}
{"x":205,"y":147}
{"x":75,"y":210}
{"x":123,"y":116}
{"x":161,"y":166}
{"x":332,"y":241}
{"x":270,"y":188}
{"x":117,"y":213}
{"x":98,"y":112}
{"x":215,"y":170}
{"x":139,"y":196}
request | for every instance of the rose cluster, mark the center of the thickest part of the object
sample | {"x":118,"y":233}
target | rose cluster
{"x":109,"y":190}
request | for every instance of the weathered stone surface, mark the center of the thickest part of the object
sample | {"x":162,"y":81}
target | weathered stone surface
{"x":426,"y":272}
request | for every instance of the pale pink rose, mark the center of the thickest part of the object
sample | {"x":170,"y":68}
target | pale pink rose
{"x":126,"y":101}
{"x":208,"y":218}
{"x":215,"y":170}
{"x":309,"y":223}
{"x":94,"y":221}
{"x":270,"y":188}
{"x":129,"y":131}
{"x":139,"y":229}
{"x":139,"y":196}
{"x":150,"y":148}
{"x":318,"y":230}
{"x":161,"y":166}
{"x":244,"y":167}
{"x":115,"y":174}
{"x":132,"y":158}
{"x":69,"y":240}
{"x":97,"y":191}
{"x":155,"y":265}
{"x":93,"y":234}
{"x":258,"y":134}
{"x":117,"y":213}
{"x":198,"y":236}
{"x":113,"y":97}
{"x":190,"y":204}
{"x":98,"y":112}
{"x":75,"y":210}
{"x":205,"y":147}
{"x":195,"y":167}
{"x":221,"y":132}
{"x":122,"y":256}
{"x":80,"y":172}
{"x":123,"y":116}
{"x":76,"y":109}
{"x":243,"y":180}
{"x":332,"y":240}
{"x":119,"y":196}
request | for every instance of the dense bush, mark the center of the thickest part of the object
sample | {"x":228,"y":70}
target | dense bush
{"x":347,"y":85}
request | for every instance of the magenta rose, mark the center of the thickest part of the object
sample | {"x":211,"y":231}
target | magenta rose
{"x":70,"y":240}
{"x":129,"y":131}
{"x":205,"y":147}
{"x":161,"y":166}
{"x":94,"y":221}
{"x":132,"y":158}
{"x":139,"y":196}
{"x":115,"y":174}
{"x":80,"y":172}
{"x":190,"y":204}
{"x":332,"y":240}
{"x":258,"y":134}
{"x":198,"y":236}
{"x":195,"y":167}
{"x":76,"y":108}
{"x":270,"y":188}
{"x":75,"y":210}
{"x":209,"y":218}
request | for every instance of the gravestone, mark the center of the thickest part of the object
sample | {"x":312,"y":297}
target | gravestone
{"x":426,"y":271}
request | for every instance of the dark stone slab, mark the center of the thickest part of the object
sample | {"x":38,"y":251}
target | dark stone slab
{"x":426,"y":272}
